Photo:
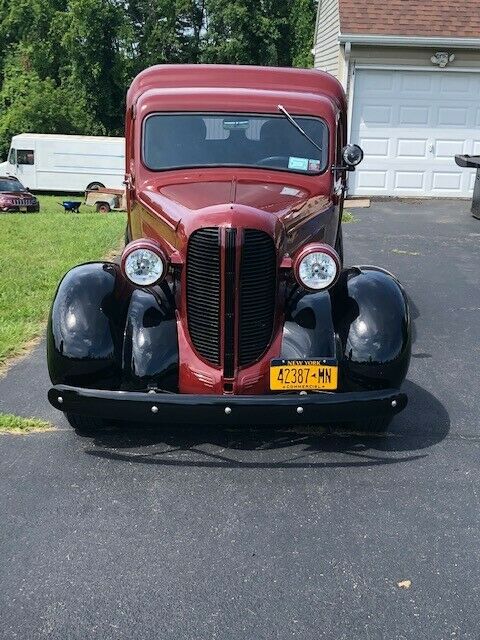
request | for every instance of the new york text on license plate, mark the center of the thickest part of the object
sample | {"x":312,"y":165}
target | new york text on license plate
{"x":293,"y":375}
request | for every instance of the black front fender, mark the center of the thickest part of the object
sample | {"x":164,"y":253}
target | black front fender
{"x":364,"y":321}
{"x":105,"y":334}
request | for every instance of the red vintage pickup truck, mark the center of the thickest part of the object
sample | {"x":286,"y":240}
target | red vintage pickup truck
{"x":231,"y":302}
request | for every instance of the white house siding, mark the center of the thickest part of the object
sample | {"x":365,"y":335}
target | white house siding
{"x":327,"y":47}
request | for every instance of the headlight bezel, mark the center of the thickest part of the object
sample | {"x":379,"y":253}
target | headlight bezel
{"x":146,"y":245}
{"x":316,"y":248}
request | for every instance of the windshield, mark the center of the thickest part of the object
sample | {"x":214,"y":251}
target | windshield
{"x":230,"y":139}
{"x":11,"y":185}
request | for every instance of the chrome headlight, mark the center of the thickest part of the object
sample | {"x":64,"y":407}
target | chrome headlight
{"x":143,"y":263}
{"x":317,"y":267}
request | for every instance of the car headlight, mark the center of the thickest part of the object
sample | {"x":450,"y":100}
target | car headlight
{"x":317,"y":267}
{"x":144,"y":263}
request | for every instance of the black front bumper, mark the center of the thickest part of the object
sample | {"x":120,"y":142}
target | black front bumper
{"x":274,"y":409}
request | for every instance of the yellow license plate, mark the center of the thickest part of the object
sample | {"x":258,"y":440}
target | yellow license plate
{"x":23,"y":209}
{"x":304,"y":375}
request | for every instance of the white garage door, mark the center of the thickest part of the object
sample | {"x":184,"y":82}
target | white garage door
{"x":410,"y":125}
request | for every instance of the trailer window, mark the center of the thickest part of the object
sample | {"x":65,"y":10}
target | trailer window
{"x":25,"y":156}
{"x":173,"y":141}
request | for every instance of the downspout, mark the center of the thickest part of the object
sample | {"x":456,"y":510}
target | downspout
{"x":346,"y":68}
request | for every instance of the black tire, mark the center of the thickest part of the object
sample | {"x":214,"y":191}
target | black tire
{"x":339,"y":244}
{"x":84,"y":424}
{"x":94,"y":186}
{"x":375,"y":424}
{"x":103,"y":207}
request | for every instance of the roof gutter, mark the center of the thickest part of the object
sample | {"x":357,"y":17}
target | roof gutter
{"x":409,"y":41}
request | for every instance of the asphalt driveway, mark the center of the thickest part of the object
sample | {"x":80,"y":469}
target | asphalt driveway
{"x":203,"y":533}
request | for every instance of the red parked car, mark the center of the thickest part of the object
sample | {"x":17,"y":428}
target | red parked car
{"x":231,"y":302}
{"x":14,"y":197}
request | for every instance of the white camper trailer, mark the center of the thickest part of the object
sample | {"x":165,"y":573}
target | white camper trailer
{"x":48,"y":162}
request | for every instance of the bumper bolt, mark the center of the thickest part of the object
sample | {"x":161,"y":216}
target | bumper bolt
{"x":394,"y":403}
{"x":228,"y":411}
{"x":154,"y":409}
{"x":299,"y":409}
{"x":60,"y":400}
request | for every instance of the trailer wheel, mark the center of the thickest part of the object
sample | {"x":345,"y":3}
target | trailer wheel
{"x":95,"y":186}
{"x":103,"y":207}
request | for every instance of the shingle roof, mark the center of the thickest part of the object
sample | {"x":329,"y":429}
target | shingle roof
{"x":435,"y":18}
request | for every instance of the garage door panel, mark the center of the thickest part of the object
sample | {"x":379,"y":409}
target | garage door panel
{"x":449,"y":148}
{"x":414,"y":115}
{"x":453,"y":116}
{"x":455,"y":83}
{"x":410,"y":82}
{"x":411,"y":124}
{"x":446,"y":180}
{"x":375,"y":147}
{"x":381,"y":81}
{"x":409,"y":180}
{"x":373,"y":180}
{"x":375,"y":114}
{"x":411,"y":148}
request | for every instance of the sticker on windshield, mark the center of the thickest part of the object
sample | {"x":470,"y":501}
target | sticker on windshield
{"x":314,"y":165}
{"x":232,"y":124}
{"x":300,"y":164}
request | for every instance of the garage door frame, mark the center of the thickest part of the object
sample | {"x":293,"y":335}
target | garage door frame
{"x":356,"y":66}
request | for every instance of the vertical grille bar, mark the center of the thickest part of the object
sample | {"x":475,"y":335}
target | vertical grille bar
{"x":203,"y":279}
{"x":258,"y":286}
{"x":229,"y":332}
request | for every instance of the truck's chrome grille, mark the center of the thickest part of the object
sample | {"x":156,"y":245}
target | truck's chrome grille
{"x":258,"y":285}
{"x":203,"y":292}
{"x":212,"y":285}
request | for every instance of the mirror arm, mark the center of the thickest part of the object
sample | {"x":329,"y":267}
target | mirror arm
{"x":345,"y":167}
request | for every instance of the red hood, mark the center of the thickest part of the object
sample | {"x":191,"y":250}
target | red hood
{"x":191,"y":199}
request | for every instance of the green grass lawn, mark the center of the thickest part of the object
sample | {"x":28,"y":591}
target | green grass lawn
{"x":15,"y":424}
{"x":36,"y":249}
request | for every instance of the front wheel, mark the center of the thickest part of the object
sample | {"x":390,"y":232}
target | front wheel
{"x":84,"y":424}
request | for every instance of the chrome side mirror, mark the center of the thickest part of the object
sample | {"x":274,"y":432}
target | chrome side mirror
{"x":352,"y":155}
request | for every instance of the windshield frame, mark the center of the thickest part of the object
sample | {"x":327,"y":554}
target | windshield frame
{"x":310,"y":174}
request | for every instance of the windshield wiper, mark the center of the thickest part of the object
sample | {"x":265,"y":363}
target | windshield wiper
{"x":281,"y":108}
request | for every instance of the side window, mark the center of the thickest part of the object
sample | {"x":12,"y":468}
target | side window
{"x":12,"y":158}
{"x":25,"y":156}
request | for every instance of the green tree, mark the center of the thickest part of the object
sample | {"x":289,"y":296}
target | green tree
{"x":302,"y":25}
{"x":164,"y":31}
{"x":90,"y":34}
{"x":240,"y":32}
{"x":29,"y":103}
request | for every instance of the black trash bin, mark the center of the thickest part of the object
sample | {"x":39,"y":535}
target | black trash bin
{"x":472,"y":162}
